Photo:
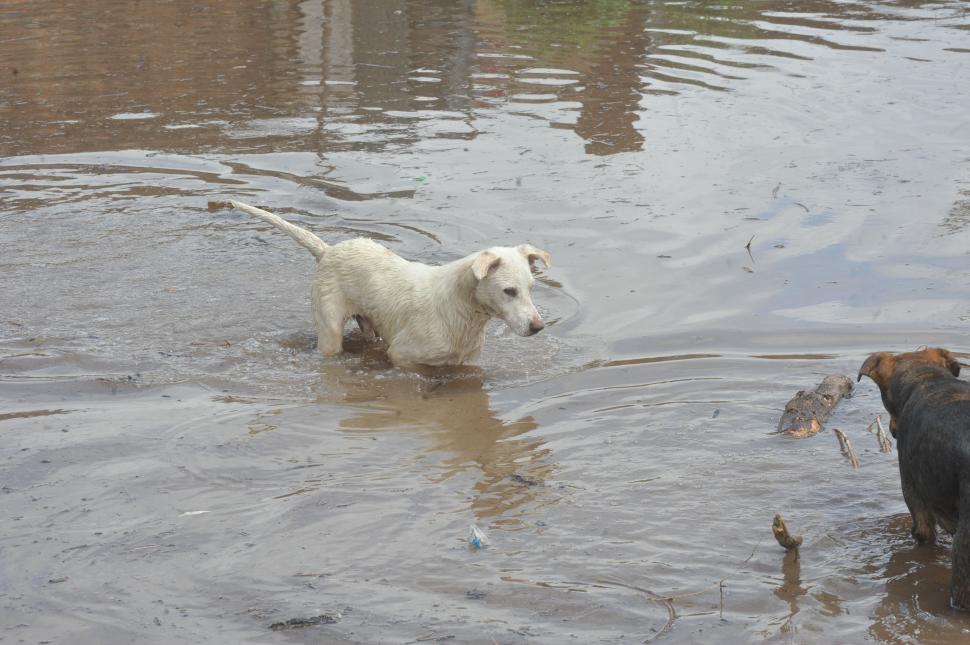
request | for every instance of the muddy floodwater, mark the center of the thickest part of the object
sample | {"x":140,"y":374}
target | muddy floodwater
{"x":738,"y":198}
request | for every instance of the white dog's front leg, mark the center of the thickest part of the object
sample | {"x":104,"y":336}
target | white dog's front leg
{"x":400,"y":359}
{"x":403,"y":355}
{"x":366,"y":328}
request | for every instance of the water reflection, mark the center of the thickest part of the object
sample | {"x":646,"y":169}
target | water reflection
{"x":791,"y":590}
{"x":451,"y":410}
{"x":332,"y":75}
{"x":916,"y":604}
{"x":809,"y":123}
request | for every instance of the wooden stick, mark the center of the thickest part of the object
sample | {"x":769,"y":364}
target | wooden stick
{"x":846,"y":447}
{"x":884,"y":444}
{"x":806,"y":413}
{"x":780,"y":531}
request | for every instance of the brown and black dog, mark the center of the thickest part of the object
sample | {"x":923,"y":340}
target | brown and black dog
{"x":929,"y":415}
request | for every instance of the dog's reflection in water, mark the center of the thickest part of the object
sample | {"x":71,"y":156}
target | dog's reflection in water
{"x":910,"y":585}
{"x":450,"y":409}
{"x":916,"y":605}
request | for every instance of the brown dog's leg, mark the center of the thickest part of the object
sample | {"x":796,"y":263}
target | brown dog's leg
{"x":960,"y":580}
{"x":924,"y":524}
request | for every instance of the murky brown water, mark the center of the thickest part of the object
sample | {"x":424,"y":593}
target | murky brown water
{"x":178,"y":465}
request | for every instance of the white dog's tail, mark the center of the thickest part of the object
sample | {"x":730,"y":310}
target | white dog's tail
{"x":314,"y":244}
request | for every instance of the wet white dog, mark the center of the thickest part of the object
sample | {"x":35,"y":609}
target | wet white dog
{"x":427,"y":315}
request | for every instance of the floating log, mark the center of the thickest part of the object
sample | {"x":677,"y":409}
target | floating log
{"x":806,"y":413}
{"x":299,"y":623}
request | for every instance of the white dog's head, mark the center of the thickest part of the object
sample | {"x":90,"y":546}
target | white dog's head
{"x":504,"y":286}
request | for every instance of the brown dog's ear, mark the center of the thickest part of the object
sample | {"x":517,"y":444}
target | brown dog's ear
{"x":532,"y":254}
{"x":951,"y":363}
{"x":878,"y":367}
{"x":485,"y":262}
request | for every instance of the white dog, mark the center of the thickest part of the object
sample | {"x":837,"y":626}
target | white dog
{"x":427,"y":315}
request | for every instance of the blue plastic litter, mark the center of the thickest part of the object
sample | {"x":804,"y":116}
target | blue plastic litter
{"x":478,"y":539}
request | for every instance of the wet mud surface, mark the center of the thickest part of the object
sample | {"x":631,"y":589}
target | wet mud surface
{"x":738,"y":199}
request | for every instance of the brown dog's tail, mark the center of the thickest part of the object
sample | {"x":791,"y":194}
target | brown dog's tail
{"x":311,"y":242}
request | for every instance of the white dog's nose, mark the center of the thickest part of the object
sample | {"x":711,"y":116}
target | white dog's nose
{"x":535,"y":326}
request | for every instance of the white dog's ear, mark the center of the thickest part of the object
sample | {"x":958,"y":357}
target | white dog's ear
{"x":485,"y":262}
{"x":533,"y":254}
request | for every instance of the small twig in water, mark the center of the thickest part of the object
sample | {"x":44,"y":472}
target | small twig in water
{"x":721,"y":612}
{"x":750,"y":555}
{"x":667,"y":601}
{"x":884,"y":444}
{"x":657,"y":598}
{"x":846,"y":447}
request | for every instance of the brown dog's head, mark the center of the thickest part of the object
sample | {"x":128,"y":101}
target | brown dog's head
{"x":882,"y":366}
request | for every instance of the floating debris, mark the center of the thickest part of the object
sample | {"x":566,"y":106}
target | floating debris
{"x":846,"y":447}
{"x":884,"y":444}
{"x":807,"y":411}
{"x":300,"y":623}
{"x":780,"y":531}
{"x":478,"y":539}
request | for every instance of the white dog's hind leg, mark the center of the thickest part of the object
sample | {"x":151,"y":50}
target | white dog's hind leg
{"x":330,"y":342}
{"x":330,"y":313}
{"x":330,"y":332}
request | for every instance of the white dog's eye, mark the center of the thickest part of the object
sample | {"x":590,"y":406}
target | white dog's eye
{"x":511,"y":292}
